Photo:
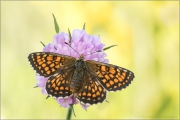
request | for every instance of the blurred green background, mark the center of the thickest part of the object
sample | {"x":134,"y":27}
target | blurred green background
{"x":147,"y":34}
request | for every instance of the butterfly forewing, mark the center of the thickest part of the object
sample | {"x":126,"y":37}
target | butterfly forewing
{"x":110,"y":76}
{"x":47,"y":63}
{"x":91,"y":92}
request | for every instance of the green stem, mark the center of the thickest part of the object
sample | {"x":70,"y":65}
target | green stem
{"x":69,"y":112}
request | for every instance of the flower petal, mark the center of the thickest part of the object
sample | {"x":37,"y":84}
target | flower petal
{"x":84,"y":106}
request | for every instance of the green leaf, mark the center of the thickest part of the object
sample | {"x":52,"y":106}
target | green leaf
{"x":47,"y":97}
{"x":55,"y":24}
{"x":70,"y":37}
{"x":42,"y":43}
{"x":106,"y":48}
{"x":84,"y":26}
{"x":107,"y":101}
{"x":35,"y":86}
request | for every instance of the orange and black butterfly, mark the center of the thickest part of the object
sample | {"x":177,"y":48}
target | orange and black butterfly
{"x":88,"y":80}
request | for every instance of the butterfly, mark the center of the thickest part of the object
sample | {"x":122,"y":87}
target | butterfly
{"x":87,"y":80}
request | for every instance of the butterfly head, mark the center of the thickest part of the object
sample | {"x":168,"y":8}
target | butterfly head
{"x":81,"y":57}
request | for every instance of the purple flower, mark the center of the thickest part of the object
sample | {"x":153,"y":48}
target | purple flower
{"x":82,"y":43}
{"x":65,"y":102}
{"x":41,"y":83}
{"x":84,"y":106}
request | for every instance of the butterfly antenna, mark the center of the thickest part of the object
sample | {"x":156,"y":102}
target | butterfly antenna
{"x":72,"y":48}
{"x":93,"y":52}
{"x":106,"y":48}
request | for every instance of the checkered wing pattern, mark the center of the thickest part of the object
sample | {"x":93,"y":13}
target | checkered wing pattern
{"x":110,"y":76}
{"x":58,"y":84}
{"x":91,"y":92}
{"x":97,"y":77}
{"x":47,"y":63}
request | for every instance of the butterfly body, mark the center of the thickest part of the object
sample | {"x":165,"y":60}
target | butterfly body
{"x":76,"y":81}
{"x":88,"y":80}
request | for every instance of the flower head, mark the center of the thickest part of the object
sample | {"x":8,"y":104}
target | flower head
{"x":82,"y":43}
{"x":65,"y":102}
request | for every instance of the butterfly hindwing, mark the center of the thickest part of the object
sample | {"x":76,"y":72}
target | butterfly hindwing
{"x":91,"y":92}
{"x":58,"y":84}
